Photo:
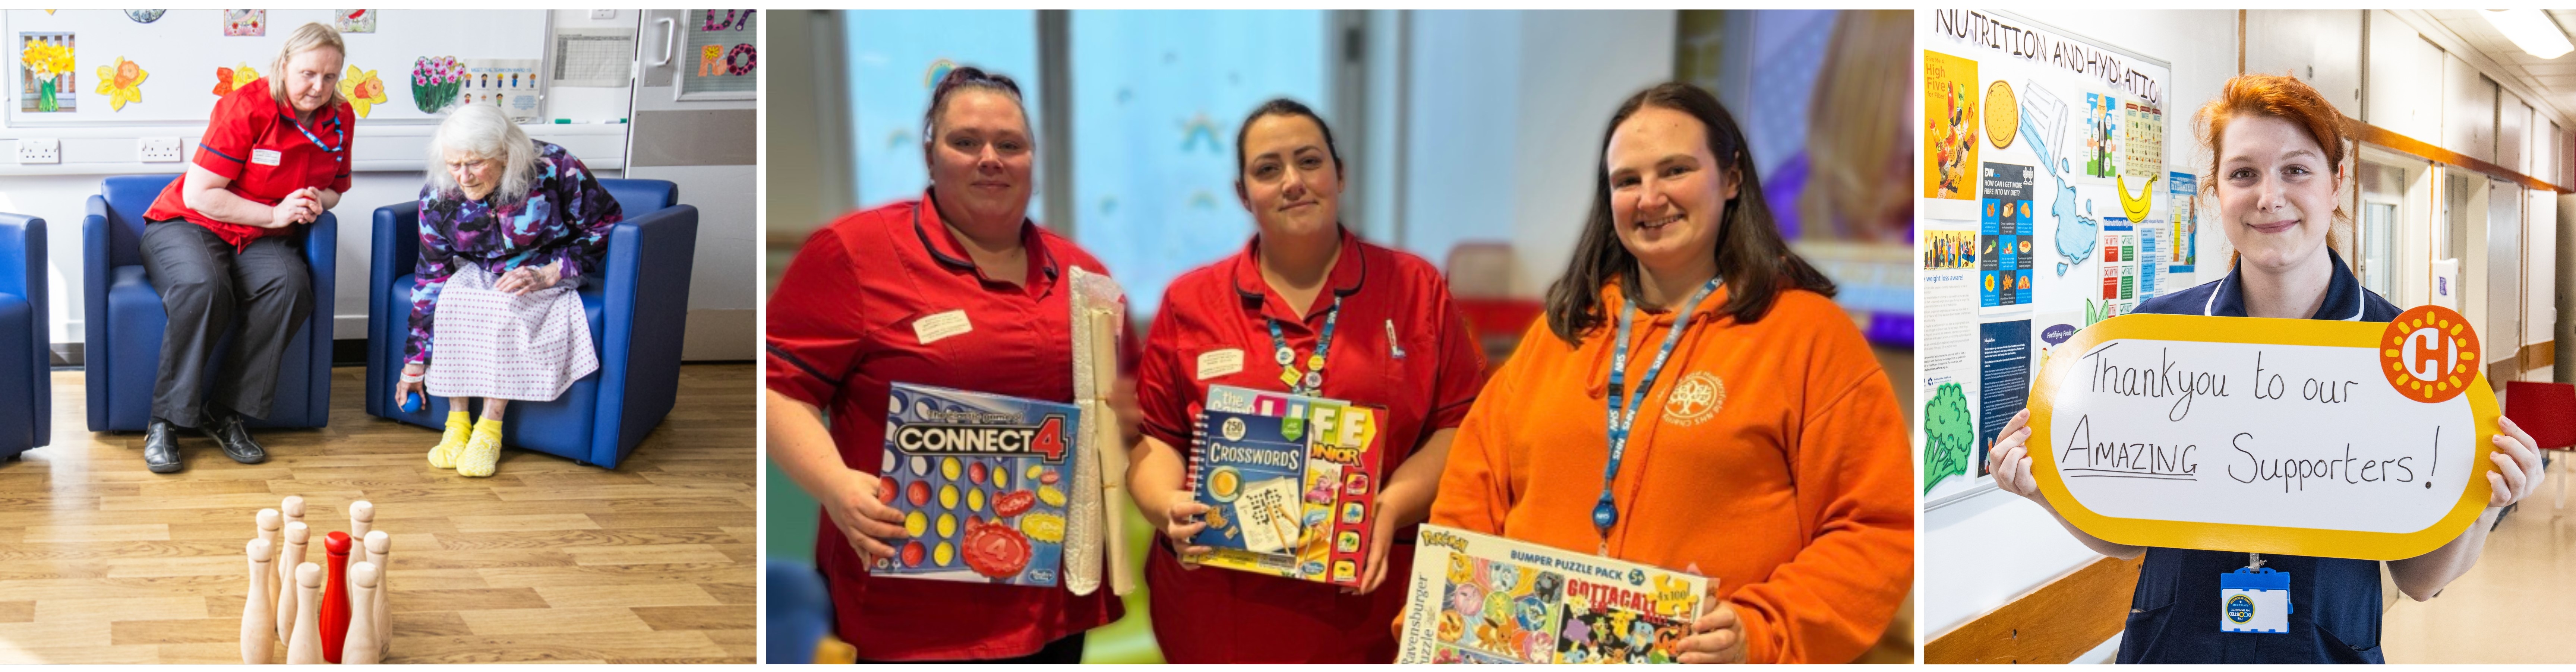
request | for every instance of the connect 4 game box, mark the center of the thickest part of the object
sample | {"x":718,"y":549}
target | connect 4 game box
{"x":1290,"y":482}
{"x":1478,"y":598}
{"x":981,"y":481}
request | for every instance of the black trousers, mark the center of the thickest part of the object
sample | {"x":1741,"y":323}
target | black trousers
{"x":207,"y":287}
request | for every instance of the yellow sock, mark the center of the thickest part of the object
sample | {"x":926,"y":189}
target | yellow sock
{"x":482,"y":454}
{"x":443,"y":455}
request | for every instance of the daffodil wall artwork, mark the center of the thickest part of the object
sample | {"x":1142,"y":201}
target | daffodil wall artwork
{"x":227,"y":79}
{"x":46,"y":80}
{"x":122,"y":83}
{"x":363,"y":89}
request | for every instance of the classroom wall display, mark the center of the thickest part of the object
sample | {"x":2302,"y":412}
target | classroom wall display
{"x":2072,"y":170}
{"x":723,"y":50}
{"x":245,"y":23}
{"x":47,"y":80}
{"x":121,"y":82}
{"x":435,"y":81}
{"x":363,"y":89}
{"x":2308,"y":437}
{"x":182,"y":47}
{"x":237,"y":76}
{"x":508,"y":83}
{"x":354,"y":20}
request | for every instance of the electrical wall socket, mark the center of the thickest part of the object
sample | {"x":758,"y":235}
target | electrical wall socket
{"x":40,"y":150}
{"x":157,"y":150}
{"x":603,"y":14}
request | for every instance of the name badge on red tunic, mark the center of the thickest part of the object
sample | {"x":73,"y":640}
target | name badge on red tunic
{"x":265,"y":157}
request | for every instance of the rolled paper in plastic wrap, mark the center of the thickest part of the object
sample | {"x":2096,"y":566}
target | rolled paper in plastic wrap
{"x":1095,"y":369}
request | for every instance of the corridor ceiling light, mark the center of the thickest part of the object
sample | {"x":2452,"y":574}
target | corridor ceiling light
{"x":2532,"y":30}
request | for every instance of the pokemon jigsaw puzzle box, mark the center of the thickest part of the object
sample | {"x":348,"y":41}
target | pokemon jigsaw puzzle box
{"x":1478,"y":598}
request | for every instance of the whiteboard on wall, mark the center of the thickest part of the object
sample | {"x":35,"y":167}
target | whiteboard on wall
{"x":180,"y":51}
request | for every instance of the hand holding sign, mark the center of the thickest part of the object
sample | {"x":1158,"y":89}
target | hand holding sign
{"x":2306,"y":437}
{"x":2518,"y":469}
{"x":2009,"y":461}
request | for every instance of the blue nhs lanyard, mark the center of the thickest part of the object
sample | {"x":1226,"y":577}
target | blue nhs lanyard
{"x":1312,"y":382}
{"x":340,"y":131}
{"x":1606,"y":513}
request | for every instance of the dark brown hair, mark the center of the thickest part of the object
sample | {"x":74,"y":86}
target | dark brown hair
{"x":960,"y":78}
{"x":1750,"y":254}
{"x":1288,"y":108}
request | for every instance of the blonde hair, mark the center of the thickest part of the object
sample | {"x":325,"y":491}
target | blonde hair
{"x":1851,"y":143}
{"x":485,"y":132}
{"x":306,"y":37}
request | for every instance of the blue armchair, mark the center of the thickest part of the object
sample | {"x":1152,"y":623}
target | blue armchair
{"x":800,"y":612}
{"x":638,"y":310}
{"x":123,"y":322}
{"x":26,"y":388}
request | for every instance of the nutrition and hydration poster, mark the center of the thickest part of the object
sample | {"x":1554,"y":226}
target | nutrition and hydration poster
{"x":2045,"y":153}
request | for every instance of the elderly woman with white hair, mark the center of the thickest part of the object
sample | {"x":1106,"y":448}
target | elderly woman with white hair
{"x":508,"y":228}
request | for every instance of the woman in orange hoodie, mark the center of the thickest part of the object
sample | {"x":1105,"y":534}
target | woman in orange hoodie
{"x":1751,"y":436}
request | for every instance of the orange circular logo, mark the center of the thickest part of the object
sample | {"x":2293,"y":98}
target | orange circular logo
{"x":2430,"y":354}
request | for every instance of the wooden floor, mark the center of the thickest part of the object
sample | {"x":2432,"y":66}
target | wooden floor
{"x":102,"y":561}
{"x":2513,"y":607}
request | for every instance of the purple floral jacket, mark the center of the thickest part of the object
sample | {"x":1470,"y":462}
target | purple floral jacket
{"x":566,"y":217}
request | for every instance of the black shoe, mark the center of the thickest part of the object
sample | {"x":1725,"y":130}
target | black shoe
{"x":161,"y":447}
{"x":227,"y":431}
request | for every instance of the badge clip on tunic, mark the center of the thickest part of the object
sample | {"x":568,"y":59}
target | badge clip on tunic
{"x":2254,"y":599}
{"x":1311,"y":381}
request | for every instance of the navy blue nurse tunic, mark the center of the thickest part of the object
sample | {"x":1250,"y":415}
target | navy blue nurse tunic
{"x":2173,"y":617}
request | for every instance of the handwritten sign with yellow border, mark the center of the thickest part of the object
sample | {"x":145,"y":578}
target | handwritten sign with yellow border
{"x":2360,"y":440}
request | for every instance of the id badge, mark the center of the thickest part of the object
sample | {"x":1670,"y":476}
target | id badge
{"x":2254,"y":600}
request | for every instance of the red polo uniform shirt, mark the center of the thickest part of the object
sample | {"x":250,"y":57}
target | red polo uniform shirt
{"x":256,"y":142}
{"x":841,"y":333}
{"x":1400,"y":344}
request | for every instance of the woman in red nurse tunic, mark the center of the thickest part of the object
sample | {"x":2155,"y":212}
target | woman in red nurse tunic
{"x":1306,"y":307}
{"x":956,"y":290}
{"x":275,"y":156}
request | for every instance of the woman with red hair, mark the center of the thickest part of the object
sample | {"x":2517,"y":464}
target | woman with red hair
{"x":2277,"y":169}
